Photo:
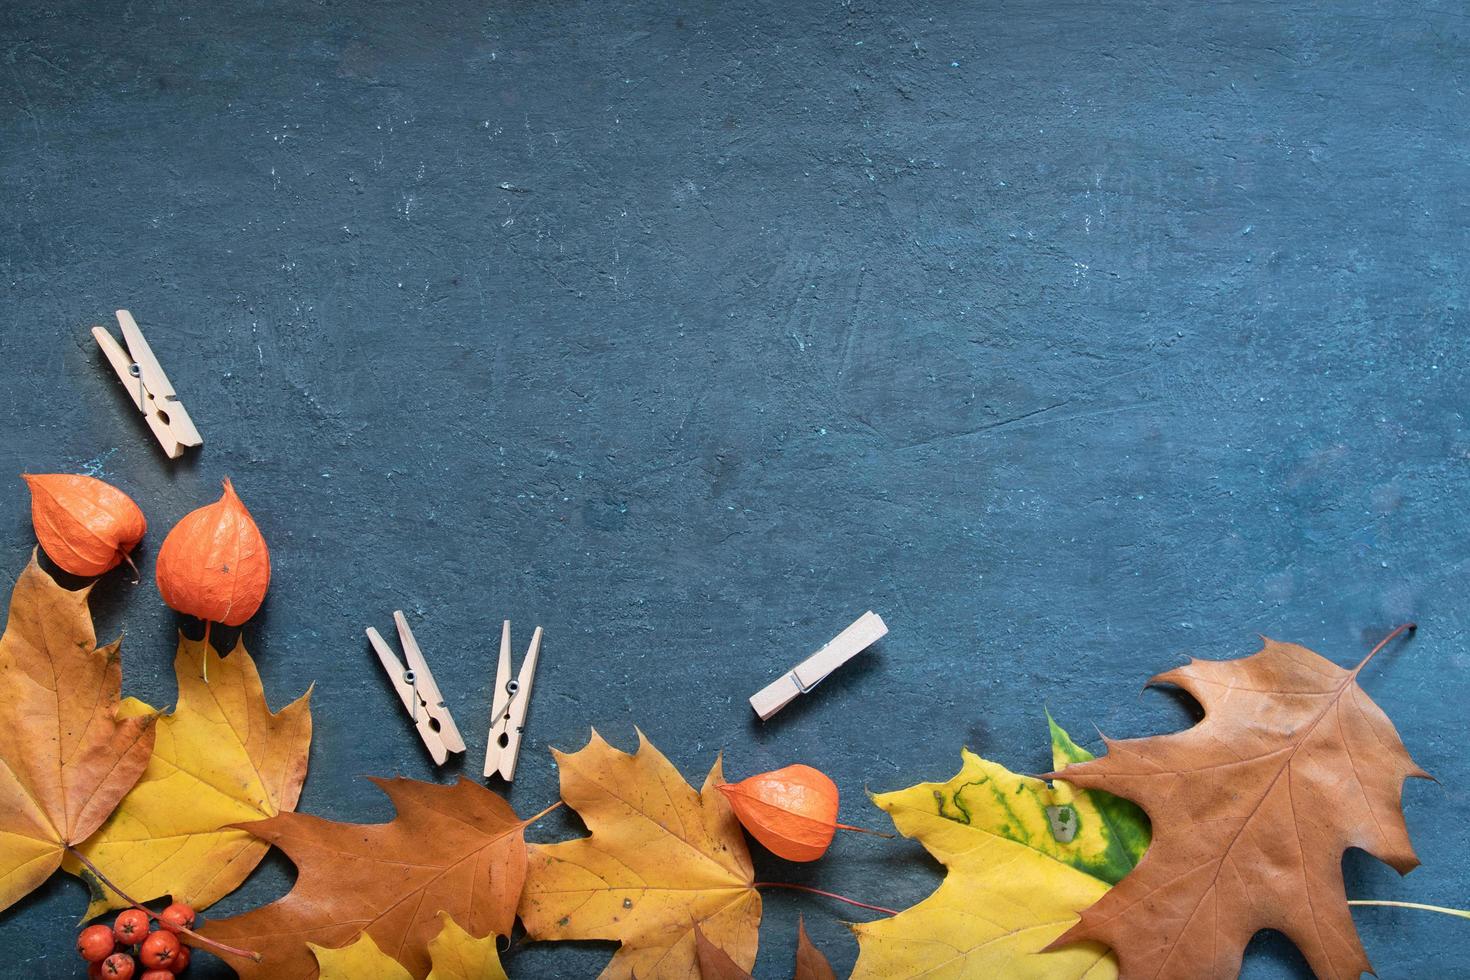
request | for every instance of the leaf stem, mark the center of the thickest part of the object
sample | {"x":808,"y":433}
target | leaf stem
{"x":1401,"y":628}
{"x":531,"y":820}
{"x":818,"y":891}
{"x":201,"y":940}
{"x":1412,"y":905}
{"x":864,"y":830}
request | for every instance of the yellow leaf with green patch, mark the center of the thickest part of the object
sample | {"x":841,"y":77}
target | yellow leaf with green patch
{"x":222,"y":757}
{"x":1023,"y":858}
{"x":1110,"y":833}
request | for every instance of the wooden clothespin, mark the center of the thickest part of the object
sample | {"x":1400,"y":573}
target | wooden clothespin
{"x":418,"y":692}
{"x":806,"y":675}
{"x":148,"y":386}
{"x":508,"y":717}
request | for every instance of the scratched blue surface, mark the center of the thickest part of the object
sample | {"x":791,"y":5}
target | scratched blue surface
{"x":1072,"y":338}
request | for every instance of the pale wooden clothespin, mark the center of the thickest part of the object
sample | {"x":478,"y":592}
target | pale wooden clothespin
{"x":508,"y":715}
{"x":148,"y":387}
{"x":806,"y":675}
{"x":418,"y":692}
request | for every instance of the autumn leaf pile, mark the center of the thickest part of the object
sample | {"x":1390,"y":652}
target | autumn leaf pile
{"x":1160,"y":859}
{"x":147,"y":799}
{"x":138,"y":803}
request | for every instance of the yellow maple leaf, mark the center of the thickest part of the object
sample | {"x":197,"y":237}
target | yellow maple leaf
{"x":661,"y":860}
{"x":221,"y":758}
{"x":66,"y":753}
{"x":358,"y":960}
{"x":1023,"y":859}
{"x":455,"y":953}
{"x":459,"y":956}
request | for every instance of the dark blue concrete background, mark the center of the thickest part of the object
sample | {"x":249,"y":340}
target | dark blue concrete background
{"x":1070,"y":337}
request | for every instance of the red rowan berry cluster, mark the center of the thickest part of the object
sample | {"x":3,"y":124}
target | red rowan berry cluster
{"x":133,"y":941}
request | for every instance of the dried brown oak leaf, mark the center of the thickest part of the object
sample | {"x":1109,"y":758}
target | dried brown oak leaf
{"x":1252,"y":809}
{"x":66,"y":758}
{"x":458,"y":849}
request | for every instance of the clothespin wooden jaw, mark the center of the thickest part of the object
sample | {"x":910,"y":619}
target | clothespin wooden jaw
{"x":149,"y":387}
{"x":418,"y":692}
{"x":867,"y":630}
{"x":509,"y":704}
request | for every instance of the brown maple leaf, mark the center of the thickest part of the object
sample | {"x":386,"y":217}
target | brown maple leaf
{"x":810,"y":963}
{"x":1252,"y":809}
{"x":715,"y":964}
{"x":458,"y":849}
{"x":66,"y":759}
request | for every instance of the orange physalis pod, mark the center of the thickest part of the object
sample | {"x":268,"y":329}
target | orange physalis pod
{"x":86,"y":526}
{"x":214,"y":564}
{"x":792,"y":811}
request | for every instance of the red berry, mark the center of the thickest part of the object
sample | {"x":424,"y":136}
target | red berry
{"x":181,"y":960}
{"x":131,"y":926}
{"x":157,"y":975}
{"x":177,"y":916}
{"x":118,"y":966}
{"x":94,"y":971}
{"x":95,"y":944}
{"x":159,"y":950}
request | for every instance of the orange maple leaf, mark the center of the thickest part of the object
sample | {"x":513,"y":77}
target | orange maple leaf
{"x":1252,"y":809}
{"x":662,"y":862}
{"x":66,"y":757}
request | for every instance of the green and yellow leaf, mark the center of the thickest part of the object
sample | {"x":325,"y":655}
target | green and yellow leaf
{"x":1023,"y":858}
{"x":1112,"y":833}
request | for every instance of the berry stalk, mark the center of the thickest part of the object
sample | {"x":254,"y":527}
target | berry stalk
{"x":864,"y":830}
{"x":818,"y":891}
{"x":201,"y":940}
